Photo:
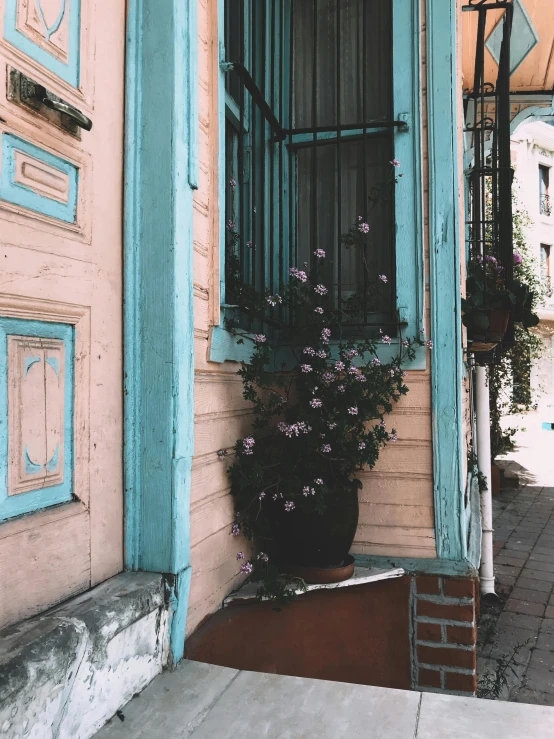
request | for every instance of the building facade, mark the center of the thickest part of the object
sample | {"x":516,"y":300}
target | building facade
{"x":119,"y":378}
{"x":533,"y":157}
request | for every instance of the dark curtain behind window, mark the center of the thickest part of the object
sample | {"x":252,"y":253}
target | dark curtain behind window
{"x":343,"y":53}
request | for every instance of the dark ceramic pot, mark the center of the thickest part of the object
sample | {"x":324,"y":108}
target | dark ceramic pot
{"x":316,"y":540}
{"x":498,"y":324}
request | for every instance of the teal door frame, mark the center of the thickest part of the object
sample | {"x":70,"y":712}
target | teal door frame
{"x":161,"y":113}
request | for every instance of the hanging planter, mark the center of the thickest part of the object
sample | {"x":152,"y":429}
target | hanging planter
{"x":488,"y":305}
{"x":486,"y":329}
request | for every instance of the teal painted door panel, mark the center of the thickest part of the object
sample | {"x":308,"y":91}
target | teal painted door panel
{"x":36,"y":415}
{"x":49,"y":36}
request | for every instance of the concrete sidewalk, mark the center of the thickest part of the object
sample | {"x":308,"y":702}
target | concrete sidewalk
{"x":204,"y":701}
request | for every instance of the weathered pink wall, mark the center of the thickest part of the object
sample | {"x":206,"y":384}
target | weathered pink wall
{"x":396,"y":512}
{"x":70,"y":273}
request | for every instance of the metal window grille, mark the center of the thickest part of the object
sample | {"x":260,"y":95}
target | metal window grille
{"x":545,"y":205}
{"x":309,"y":141}
{"x":487,"y":108}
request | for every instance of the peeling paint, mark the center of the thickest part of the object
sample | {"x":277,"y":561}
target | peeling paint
{"x":62,"y":676}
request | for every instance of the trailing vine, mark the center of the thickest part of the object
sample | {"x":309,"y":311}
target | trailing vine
{"x":510,"y":379}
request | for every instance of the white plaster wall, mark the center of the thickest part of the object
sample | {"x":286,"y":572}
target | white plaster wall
{"x":532,"y":145}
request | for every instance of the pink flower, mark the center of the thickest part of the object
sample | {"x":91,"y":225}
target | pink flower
{"x":306,"y":367}
{"x":289,"y":506}
{"x":233,"y":182}
{"x":222,"y":453}
{"x":321,"y":290}
{"x":382,"y":423}
{"x":376,"y":361}
{"x":384,"y":278}
{"x":308,"y":350}
{"x":395,"y":163}
{"x":298,"y":273}
{"x":318,"y":310}
{"x":332,"y":426}
{"x":294,"y":429}
{"x":318,"y":481}
{"x":240,"y":555}
{"x":363,"y":228}
{"x":353,"y":411}
{"x":235,"y":529}
{"x":319,"y":253}
{"x":274,"y":299}
{"x":340,"y":388}
{"x":246,"y":568}
{"x":326,"y":335}
{"x":429,"y":344}
{"x":361,"y":445}
{"x":231,"y":225}
{"x":339,"y":366}
{"x":261,"y":496}
{"x":321,"y":354}
{"x":259,"y":338}
{"x":385,"y":339}
{"x":247,"y":444}
{"x":394,"y":437}
{"x":361,"y":378}
{"x":263,"y":557}
{"x":327,"y":377}
{"x":360,"y":218}
{"x":316,"y":403}
{"x":326,"y":448}
{"x":518,"y":259}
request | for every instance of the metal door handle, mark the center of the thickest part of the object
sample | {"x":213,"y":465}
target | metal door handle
{"x":70,"y":111}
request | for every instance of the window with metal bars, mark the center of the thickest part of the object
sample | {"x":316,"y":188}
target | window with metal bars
{"x":545,"y":205}
{"x":319,"y":97}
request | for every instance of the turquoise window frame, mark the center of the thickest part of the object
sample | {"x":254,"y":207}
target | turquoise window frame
{"x":409,"y":195}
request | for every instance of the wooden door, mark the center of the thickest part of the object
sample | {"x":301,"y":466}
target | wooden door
{"x":61,"y":498}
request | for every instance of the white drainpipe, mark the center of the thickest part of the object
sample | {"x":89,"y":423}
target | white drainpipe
{"x":484,"y":463}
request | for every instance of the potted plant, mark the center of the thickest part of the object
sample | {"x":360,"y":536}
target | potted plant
{"x":319,"y":403}
{"x":488,"y":305}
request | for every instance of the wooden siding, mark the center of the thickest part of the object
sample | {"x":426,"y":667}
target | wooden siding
{"x":396,"y":502}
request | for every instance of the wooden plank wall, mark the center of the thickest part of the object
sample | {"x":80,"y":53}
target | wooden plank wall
{"x":396,"y":503}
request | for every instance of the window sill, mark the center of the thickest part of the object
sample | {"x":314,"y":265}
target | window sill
{"x":361,"y":576}
{"x":225,"y":348}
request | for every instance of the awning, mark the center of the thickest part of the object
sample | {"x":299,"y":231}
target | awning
{"x":532,"y":47}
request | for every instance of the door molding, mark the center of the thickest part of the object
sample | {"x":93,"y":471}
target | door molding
{"x":445,"y":280}
{"x":160,"y":175}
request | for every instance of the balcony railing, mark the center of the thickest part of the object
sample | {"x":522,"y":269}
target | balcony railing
{"x":546,"y":205}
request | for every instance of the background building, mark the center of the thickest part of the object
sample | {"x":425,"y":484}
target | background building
{"x":533,"y":159}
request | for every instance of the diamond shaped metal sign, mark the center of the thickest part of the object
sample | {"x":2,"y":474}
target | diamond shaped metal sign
{"x":523,"y":41}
